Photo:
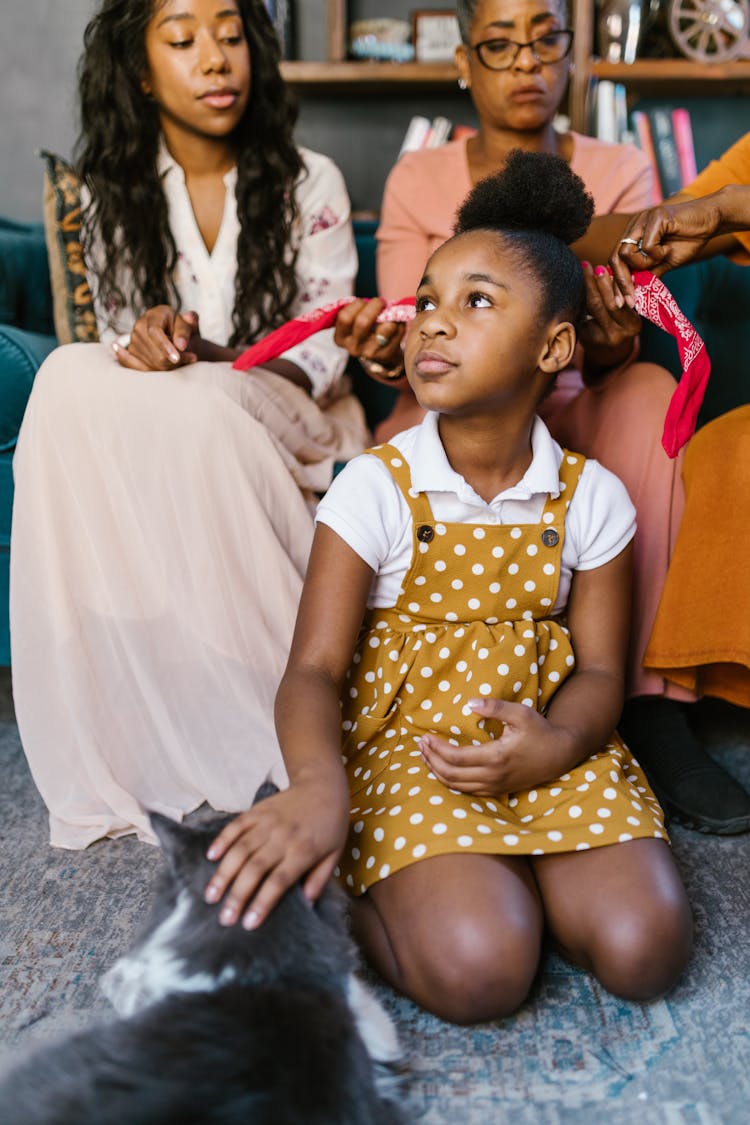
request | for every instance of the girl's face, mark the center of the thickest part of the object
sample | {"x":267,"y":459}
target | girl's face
{"x":198,"y":66}
{"x":525,"y":96}
{"x":476,"y":344}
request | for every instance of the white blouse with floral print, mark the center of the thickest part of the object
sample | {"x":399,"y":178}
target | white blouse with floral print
{"x":326,"y":263}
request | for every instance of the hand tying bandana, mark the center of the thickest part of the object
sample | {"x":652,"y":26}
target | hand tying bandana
{"x":652,"y":300}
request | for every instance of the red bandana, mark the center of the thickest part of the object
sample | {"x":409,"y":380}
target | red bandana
{"x":652,"y":300}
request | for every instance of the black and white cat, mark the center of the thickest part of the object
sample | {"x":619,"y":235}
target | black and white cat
{"x":220,"y":1025}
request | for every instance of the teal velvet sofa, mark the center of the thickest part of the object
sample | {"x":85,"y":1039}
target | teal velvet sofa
{"x":714,"y":295}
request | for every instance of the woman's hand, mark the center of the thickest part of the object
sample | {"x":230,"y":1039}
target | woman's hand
{"x":377,"y":346}
{"x":529,"y":752}
{"x":265,"y":851}
{"x":161,"y":340}
{"x":663,"y":237}
{"x":608,"y":334}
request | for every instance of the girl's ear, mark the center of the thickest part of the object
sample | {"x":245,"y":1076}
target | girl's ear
{"x":558,"y":348}
{"x":145,"y":86}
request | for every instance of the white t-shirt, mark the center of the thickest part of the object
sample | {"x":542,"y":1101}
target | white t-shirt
{"x":326,"y":262}
{"x":367,"y":509}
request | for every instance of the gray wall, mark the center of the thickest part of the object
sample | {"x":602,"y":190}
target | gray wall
{"x":41,"y":44}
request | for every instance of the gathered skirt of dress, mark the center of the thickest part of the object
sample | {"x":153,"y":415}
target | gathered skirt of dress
{"x":161,"y":527}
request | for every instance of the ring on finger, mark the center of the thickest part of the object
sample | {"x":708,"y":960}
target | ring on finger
{"x":381,"y":340}
{"x":632,"y":242}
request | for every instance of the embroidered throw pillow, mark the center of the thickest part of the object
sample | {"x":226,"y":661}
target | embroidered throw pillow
{"x":72,"y":302}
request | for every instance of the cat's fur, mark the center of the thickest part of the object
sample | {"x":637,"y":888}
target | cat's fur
{"x":221,"y":1025}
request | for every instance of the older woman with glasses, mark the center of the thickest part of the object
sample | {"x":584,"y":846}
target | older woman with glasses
{"x":513,"y":61}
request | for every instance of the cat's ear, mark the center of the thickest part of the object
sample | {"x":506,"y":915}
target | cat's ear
{"x":267,"y":789}
{"x":171,"y":835}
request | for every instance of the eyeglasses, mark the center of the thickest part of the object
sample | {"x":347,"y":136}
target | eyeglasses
{"x":499,"y":54}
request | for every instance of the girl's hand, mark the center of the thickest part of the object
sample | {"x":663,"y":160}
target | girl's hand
{"x":529,"y":752}
{"x":375,"y":345}
{"x":266,"y":850}
{"x":608,"y":333}
{"x":161,"y":340}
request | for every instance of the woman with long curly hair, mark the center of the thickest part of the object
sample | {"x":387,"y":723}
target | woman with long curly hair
{"x":163,"y":511}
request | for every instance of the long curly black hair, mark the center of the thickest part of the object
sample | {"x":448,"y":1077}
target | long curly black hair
{"x":116,"y":155}
{"x":538,"y":206}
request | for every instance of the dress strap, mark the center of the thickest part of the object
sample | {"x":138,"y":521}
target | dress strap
{"x":398,"y":467}
{"x":571,"y":468}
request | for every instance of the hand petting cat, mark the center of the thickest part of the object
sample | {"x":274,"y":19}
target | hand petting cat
{"x":296,"y":834}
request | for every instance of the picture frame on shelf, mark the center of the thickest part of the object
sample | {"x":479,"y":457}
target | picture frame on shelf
{"x":435,"y":34}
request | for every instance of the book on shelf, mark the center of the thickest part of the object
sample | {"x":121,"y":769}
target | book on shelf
{"x":611,"y":112}
{"x":665,"y":150}
{"x":666,"y":136}
{"x":440,"y":131}
{"x":416,"y":134}
{"x":281,"y":16}
{"x":645,"y":142}
{"x":683,"y":135}
{"x":422,"y":132}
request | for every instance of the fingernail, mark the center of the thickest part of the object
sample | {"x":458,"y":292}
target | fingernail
{"x":213,"y":852}
{"x":250,"y":920}
{"x":586,"y":265}
{"x":174,"y":356}
{"x":476,"y":702}
{"x":618,"y":301}
{"x":115,"y":347}
{"x":227,"y":916}
{"x":600,"y":271}
{"x":609,"y":270}
{"x":212,"y":893}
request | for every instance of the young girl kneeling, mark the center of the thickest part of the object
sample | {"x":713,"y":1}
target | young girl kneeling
{"x":465,"y":613}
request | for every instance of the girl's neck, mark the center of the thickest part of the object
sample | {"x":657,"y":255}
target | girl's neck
{"x":491,"y":454}
{"x":488,"y":149}
{"x":199,"y":156}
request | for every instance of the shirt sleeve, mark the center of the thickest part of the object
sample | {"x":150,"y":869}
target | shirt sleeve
{"x":326,"y":265}
{"x":364,"y":507}
{"x":403,"y":240}
{"x":731,"y":168}
{"x":601,"y":517}
{"x":635,"y":180}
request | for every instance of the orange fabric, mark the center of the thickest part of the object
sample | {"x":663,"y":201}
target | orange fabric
{"x":701,"y":635}
{"x":731,"y":168}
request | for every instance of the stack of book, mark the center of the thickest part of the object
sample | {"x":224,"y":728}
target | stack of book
{"x":425,"y":133}
{"x":666,"y":136}
{"x":663,"y":133}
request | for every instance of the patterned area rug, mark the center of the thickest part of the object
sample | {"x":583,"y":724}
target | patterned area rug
{"x":572,"y":1054}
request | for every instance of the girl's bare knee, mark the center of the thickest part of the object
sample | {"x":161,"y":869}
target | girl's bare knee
{"x":472,"y":976}
{"x":640,"y":956}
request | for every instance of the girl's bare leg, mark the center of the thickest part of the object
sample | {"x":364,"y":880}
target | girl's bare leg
{"x":621,"y":912}
{"x":458,"y":934}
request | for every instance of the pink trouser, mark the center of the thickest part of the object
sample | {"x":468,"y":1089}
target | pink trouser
{"x":619,"y":423}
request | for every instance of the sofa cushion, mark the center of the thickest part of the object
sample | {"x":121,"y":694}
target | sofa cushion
{"x":20,"y":356}
{"x":72,"y":301}
{"x":25,"y":297}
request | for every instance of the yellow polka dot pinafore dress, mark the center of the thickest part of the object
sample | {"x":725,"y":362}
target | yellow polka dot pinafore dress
{"x":472,"y":619}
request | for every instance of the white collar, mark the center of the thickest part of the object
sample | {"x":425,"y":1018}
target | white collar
{"x":431,"y":470}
